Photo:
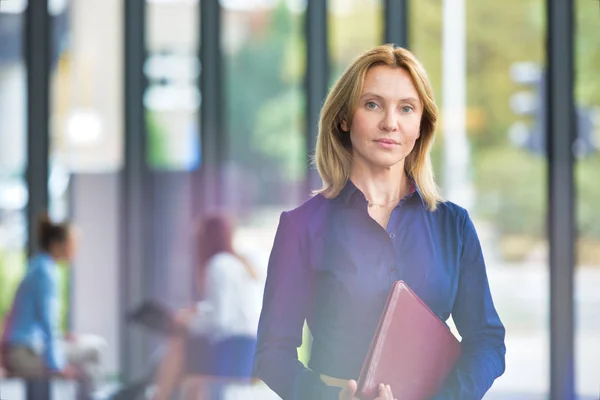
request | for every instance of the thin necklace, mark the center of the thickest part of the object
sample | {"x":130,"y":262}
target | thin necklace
{"x":381,"y":205}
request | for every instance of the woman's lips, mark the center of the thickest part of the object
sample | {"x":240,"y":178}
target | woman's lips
{"x":386,"y":143}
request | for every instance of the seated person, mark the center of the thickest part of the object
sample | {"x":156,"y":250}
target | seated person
{"x":32,"y":346}
{"x":219,"y":333}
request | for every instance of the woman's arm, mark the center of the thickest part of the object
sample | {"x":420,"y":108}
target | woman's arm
{"x":286,"y":299}
{"x":479,"y":325}
{"x":212,"y":313}
{"x":48,"y":313}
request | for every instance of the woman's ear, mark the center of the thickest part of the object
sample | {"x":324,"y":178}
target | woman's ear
{"x":344,"y":125}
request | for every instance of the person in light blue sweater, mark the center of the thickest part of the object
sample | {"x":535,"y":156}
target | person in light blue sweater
{"x":31,"y":342}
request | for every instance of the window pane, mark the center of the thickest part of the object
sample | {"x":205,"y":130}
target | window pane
{"x":86,"y":92}
{"x":264,"y":61}
{"x":354,"y":26}
{"x":264,"y":65}
{"x":587,"y":192}
{"x":13,"y":151}
{"x":172,"y":99}
{"x":86,"y":155}
{"x":486,"y":61}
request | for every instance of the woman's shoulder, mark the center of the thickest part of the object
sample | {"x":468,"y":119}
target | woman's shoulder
{"x":309,"y":213}
{"x":40,"y":270}
{"x":222,"y":260}
{"x":228,"y":263}
{"x":451,"y":212}
{"x":451,"y":208}
{"x":41,"y":263}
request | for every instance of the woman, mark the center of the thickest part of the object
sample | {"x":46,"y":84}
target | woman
{"x":220,"y":332}
{"x":378,"y":218}
{"x":33,"y":346}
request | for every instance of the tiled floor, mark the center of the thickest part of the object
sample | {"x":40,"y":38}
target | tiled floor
{"x":14,"y":389}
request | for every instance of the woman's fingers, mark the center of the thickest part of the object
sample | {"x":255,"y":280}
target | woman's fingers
{"x":385,"y":392}
{"x":348,"y":392}
{"x":390,"y":392}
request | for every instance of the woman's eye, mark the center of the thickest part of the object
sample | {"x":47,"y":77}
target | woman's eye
{"x":371,"y":105}
{"x":407,"y":109}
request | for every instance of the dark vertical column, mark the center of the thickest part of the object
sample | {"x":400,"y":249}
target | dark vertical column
{"x":37,"y":56}
{"x":396,"y":22}
{"x":135,"y":278}
{"x":317,"y":78}
{"x":561,"y":129}
{"x":213,"y":137}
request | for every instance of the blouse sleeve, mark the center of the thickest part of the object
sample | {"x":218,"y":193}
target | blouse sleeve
{"x":286,"y":298}
{"x":215,"y":310}
{"x":479,"y":325}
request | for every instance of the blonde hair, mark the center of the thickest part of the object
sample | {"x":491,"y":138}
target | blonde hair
{"x":333,"y":153}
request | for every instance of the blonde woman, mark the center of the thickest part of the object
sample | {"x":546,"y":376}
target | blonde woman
{"x":378,"y":218}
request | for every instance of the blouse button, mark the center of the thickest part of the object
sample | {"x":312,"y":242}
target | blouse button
{"x":392,"y":235}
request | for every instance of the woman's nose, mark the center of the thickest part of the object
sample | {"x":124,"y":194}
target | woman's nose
{"x":389,"y":122}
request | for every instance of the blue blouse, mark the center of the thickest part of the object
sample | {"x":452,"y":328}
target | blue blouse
{"x":36,"y":311}
{"x":333,"y":266}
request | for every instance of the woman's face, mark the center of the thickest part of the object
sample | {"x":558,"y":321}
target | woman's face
{"x":65,"y":251}
{"x":70,"y":245}
{"x":387,"y":119}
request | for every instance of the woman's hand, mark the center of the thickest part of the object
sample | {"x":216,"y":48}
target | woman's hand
{"x":385,"y":392}
{"x":348,"y":392}
{"x":69,"y":372}
{"x":185,"y":316}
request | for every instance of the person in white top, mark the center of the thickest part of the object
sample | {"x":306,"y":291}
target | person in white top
{"x":220,"y":331}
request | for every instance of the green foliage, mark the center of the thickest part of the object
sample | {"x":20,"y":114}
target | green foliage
{"x":264,"y":100}
{"x":498,"y":34}
{"x":513,"y":195}
{"x":352,"y":33}
{"x":156,"y":155}
{"x":304,"y":349}
{"x":274,"y":122}
{"x":65,"y":296}
{"x":511,"y":185}
{"x":587,"y":176}
{"x":12,"y":268}
{"x":587,"y":52}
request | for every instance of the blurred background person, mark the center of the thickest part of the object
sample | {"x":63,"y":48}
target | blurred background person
{"x":217,"y":336}
{"x":32,"y":344}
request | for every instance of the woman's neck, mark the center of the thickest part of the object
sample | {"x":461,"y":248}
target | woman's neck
{"x":382,"y":186}
{"x":55,"y":255}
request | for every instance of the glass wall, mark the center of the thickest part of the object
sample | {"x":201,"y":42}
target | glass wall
{"x":587,"y":192}
{"x":486,"y":62}
{"x":13,"y":151}
{"x":172,"y":106}
{"x":264,"y":56}
{"x":85,"y":158}
{"x":354,"y":26}
{"x":172,"y":99}
{"x":61,"y":137}
{"x":264,"y":65}
{"x":86,"y":134}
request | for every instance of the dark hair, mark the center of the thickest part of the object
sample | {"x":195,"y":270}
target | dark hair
{"x":216,"y":236}
{"x":50,"y":233}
